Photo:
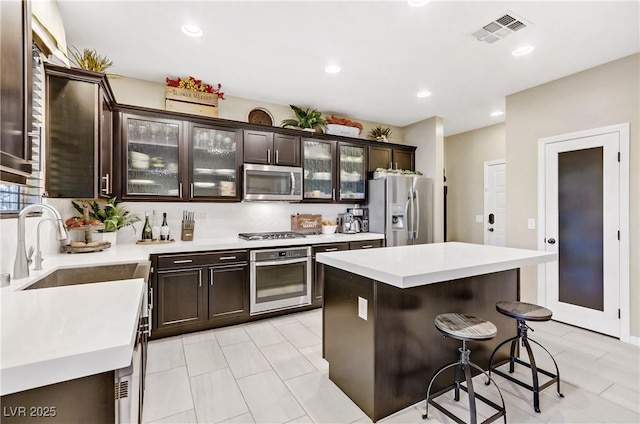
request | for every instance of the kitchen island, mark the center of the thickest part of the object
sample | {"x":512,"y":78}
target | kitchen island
{"x":380,"y":304}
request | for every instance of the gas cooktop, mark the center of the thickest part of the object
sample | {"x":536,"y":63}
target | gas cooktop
{"x":270,"y":236}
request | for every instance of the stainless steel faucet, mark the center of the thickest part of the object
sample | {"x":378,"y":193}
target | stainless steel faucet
{"x":21,"y":264}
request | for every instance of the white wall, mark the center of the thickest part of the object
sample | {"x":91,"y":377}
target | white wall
{"x":428,"y":136}
{"x":465,"y":155}
{"x":605,"y":95}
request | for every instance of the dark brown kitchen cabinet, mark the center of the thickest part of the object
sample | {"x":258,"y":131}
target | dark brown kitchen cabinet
{"x":178,"y":160}
{"x":269,"y":148}
{"x":351,"y":173}
{"x":318,"y":268}
{"x":179,"y":298}
{"x":228,"y":296}
{"x":198,"y":291}
{"x":15,"y":90}
{"x":388,"y":157}
{"x":78,"y":135}
{"x":318,"y":160}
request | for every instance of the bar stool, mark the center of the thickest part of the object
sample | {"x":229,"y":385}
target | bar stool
{"x":522,"y":312}
{"x":465,"y":328}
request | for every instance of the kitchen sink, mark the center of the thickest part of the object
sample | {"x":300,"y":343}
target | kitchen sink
{"x":93,"y":274}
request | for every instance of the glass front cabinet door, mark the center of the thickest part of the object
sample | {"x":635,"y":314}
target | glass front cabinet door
{"x":351,"y":172}
{"x":319,"y":179}
{"x":214,"y":162}
{"x":152,"y":157}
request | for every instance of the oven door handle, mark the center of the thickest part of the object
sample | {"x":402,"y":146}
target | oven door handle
{"x":281,"y":262}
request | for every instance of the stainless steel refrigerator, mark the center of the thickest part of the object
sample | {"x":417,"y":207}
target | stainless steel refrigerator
{"x":401,"y":207}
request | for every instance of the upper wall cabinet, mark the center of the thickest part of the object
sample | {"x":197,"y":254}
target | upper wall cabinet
{"x":389,"y":157}
{"x":172,"y":159}
{"x":269,"y":148}
{"x":15,"y":90}
{"x":78,"y":134}
{"x":318,"y":160}
{"x":352,"y":172}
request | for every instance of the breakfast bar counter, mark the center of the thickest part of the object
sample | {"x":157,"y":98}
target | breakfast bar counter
{"x":379,"y":308}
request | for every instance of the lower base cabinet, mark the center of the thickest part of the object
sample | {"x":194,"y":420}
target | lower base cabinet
{"x":318,"y":268}
{"x":192,"y":292}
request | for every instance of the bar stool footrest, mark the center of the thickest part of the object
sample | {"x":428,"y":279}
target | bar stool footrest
{"x":500,"y":410}
{"x":508,"y":376}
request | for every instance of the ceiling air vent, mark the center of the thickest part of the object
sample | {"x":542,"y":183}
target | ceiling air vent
{"x":500,"y":28}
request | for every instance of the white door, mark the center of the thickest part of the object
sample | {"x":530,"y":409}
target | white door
{"x":582,"y":221}
{"x":494,"y":203}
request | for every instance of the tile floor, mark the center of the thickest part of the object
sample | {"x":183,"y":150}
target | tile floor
{"x":272,"y":371}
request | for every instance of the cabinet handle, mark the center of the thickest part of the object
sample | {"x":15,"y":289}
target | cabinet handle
{"x":332,"y":249}
{"x":367,"y":246}
{"x":269,"y":155}
{"x":151,"y":302}
{"x":191,"y":190}
{"x":333,"y":194}
{"x":106,"y":184}
{"x":396,"y":165}
{"x":180,"y":190}
{"x":183,"y":261}
{"x":227,"y":258}
{"x":390,"y":165}
{"x":277,"y":160}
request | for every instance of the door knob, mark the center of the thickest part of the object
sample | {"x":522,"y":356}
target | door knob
{"x":551,"y":241}
{"x":490,"y":230}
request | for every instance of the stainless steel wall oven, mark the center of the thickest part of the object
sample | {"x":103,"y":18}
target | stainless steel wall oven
{"x":280,"y":279}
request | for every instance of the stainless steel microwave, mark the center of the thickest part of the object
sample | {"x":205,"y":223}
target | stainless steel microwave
{"x":269,"y":182}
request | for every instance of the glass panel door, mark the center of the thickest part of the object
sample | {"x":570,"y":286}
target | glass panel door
{"x":214,"y":170}
{"x":318,"y":170}
{"x":352,"y":172}
{"x":152,"y":157}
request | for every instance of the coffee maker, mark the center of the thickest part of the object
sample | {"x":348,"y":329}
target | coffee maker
{"x":360,"y":219}
{"x":346,"y":223}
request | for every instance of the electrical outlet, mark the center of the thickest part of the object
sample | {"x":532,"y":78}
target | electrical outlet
{"x":362,"y":308}
{"x":531,"y":224}
{"x":478,"y":218}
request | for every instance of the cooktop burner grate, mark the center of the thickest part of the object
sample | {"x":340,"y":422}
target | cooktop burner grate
{"x":270,"y":236}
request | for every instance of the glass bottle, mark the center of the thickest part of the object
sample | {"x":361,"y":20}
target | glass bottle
{"x":147,"y":234}
{"x":155,"y":228}
{"x":164,"y":229}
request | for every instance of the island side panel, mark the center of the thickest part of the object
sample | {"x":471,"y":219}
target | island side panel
{"x":349,"y":339}
{"x":409,"y":349}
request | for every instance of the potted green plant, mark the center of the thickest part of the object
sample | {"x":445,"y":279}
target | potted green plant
{"x":306,"y":119}
{"x":112,"y":215}
{"x":380,"y":133}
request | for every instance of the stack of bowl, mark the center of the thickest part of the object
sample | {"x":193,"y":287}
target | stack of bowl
{"x":139,"y":160}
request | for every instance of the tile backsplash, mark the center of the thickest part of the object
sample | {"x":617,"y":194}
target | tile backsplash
{"x":213,"y":220}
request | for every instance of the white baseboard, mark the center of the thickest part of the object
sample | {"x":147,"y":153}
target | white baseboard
{"x":634,"y":340}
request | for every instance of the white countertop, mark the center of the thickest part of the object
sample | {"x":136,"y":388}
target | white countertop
{"x":417,"y":265}
{"x":58,"y":334}
{"x":129,"y":253}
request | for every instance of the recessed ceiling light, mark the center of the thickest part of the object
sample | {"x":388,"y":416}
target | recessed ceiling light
{"x":332,"y":69}
{"x":423,"y":94}
{"x":417,"y":3}
{"x":191,"y":30}
{"x":521,"y":51}
{"x":497,"y":113}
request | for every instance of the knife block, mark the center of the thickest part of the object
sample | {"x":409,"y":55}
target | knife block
{"x":187,"y":232}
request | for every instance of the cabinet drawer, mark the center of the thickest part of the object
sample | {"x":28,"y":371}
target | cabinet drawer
{"x":368,"y":244}
{"x":209,"y":258}
{"x":231,"y":257}
{"x":333,"y":247}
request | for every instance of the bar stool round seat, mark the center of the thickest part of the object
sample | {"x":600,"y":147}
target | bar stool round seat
{"x":465,"y":328}
{"x":523,"y":312}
